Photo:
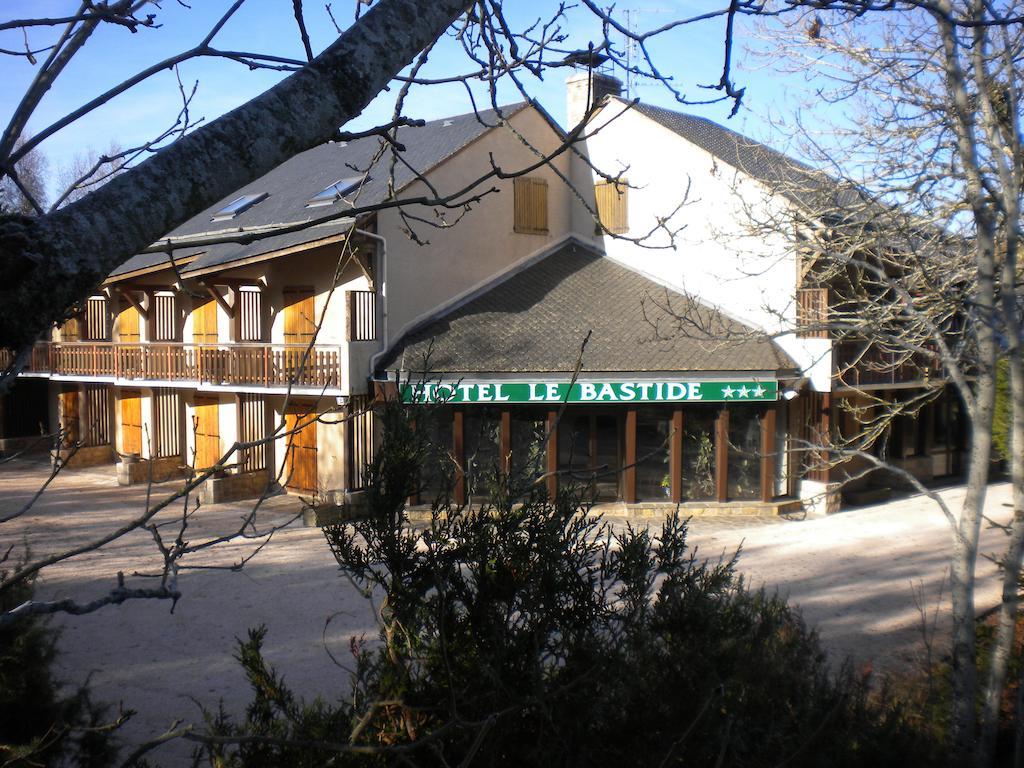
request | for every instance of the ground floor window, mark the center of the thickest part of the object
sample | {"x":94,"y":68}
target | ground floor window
{"x":590,"y":452}
{"x":653,"y":432}
{"x":437,"y":474}
{"x":692,"y":452}
{"x":528,"y":445}
{"x":744,"y":483}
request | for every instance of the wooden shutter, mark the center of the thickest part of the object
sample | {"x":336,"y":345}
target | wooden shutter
{"x":204,"y":323}
{"x":206,"y":425}
{"x":299,"y":315}
{"x":97,"y":414}
{"x":812,"y":313}
{"x":131,"y":421}
{"x":362,"y":315}
{"x":300,"y":459}
{"x":96,"y":319}
{"x":128,"y":324}
{"x":250,"y":326}
{"x":166,"y":317}
{"x":167,"y":410}
{"x":70,"y":416}
{"x":613,"y":205}
{"x":360,"y":440}
{"x":531,"y":205}
{"x":252,"y":427}
{"x":71,"y":329}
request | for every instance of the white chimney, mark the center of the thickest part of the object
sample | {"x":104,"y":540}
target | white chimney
{"x":584,"y":89}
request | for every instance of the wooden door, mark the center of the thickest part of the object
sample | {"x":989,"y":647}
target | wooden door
{"x":128,"y":325}
{"x":131,"y":421}
{"x":70,"y":416}
{"x":299,"y":330}
{"x":206,"y":425}
{"x":129,"y":358}
{"x":300,"y":458}
{"x":299,"y":315}
{"x":204,"y":323}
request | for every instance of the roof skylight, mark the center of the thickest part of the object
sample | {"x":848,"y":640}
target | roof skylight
{"x":337,"y":190}
{"x":237,"y":206}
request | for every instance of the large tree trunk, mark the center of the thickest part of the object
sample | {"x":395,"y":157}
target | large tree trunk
{"x":50,"y":262}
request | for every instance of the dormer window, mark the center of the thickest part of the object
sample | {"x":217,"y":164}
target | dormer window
{"x":237,"y":206}
{"x":337,"y":190}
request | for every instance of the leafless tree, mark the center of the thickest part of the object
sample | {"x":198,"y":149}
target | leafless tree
{"x":917,"y":246}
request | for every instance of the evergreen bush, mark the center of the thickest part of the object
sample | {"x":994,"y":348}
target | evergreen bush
{"x":41,"y":724}
{"x":527,"y":632}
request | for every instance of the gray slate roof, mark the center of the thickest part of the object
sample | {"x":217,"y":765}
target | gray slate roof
{"x":536,"y":320}
{"x":290,"y":186}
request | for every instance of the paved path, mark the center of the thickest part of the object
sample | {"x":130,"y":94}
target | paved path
{"x":853,"y":575}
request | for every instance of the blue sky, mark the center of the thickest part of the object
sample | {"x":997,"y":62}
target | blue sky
{"x":692,"y":56}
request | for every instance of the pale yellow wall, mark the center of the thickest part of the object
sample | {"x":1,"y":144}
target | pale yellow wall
{"x":482,"y":243}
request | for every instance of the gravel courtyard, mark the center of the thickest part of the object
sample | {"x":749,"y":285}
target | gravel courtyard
{"x":853,"y":574}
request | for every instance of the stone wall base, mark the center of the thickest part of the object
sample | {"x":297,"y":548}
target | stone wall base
{"x":149,"y":470}
{"x":88,"y":456}
{"x":250,"y":485}
{"x":658,"y":510}
{"x":821,"y":498}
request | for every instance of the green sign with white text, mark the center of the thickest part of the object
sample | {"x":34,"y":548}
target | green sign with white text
{"x":592,"y":392}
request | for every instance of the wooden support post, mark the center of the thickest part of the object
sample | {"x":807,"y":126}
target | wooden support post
{"x":228,"y":309}
{"x":505,"y":442}
{"x":236,"y":313}
{"x":722,"y":456}
{"x":151,"y":316}
{"x":552,"y":454}
{"x":768,"y":455}
{"x":458,"y":449}
{"x":825,"y":429}
{"x":629,"y":473}
{"x":676,"y":456}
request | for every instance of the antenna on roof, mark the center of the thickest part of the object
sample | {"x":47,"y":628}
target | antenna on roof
{"x":632,"y":47}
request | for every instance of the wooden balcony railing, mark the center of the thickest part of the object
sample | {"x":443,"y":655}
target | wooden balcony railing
{"x":860,"y":364}
{"x":269,"y":365}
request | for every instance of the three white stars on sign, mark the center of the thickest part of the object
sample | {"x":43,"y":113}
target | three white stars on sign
{"x":742,"y":392}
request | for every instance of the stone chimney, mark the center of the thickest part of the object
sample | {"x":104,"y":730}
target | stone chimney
{"x":585,"y":88}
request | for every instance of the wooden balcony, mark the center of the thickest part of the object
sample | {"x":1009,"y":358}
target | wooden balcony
{"x":265,"y":365}
{"x":858,"y":364}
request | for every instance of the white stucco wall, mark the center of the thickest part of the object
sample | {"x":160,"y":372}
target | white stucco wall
{"x":713,"y":255}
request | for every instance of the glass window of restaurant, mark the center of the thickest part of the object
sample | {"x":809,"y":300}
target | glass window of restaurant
{"x":590,"y":452}
{"x":653,"y":430}
{"x":699,"y":453}
{"x":437,"y":477}
{"x":744,"y":454}
{"x":482,"y":441}
{"x":527,"y":442}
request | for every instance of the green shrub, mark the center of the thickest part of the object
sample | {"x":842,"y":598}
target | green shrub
{"x":527,"y":633}
{"x":41,"y":724}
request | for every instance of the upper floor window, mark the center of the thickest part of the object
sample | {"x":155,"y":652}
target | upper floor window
{"x":362,"y":314}
{"x":166,"y":322}
{"x":96,"y":327}
{"x":238,"y":205}
{"x":337,"y":190}
{"x":250,"y":314}
{"x":812,"y":313}
{"x":531,"y":205}
{"x":612,"y":199}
